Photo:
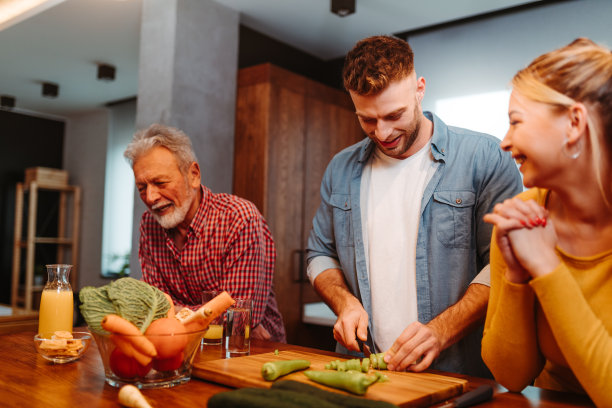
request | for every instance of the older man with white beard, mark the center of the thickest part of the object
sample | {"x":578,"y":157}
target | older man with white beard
{"x":192,"y":239}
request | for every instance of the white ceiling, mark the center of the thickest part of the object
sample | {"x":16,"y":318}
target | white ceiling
{"x":64,"y":43}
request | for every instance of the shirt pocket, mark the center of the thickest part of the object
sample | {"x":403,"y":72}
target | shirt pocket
{"x":342,"y":214}
{"x":452,"y":217}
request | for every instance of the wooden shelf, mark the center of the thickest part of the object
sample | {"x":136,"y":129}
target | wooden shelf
{"x":22,"y":294}
{"x":48,"y":240}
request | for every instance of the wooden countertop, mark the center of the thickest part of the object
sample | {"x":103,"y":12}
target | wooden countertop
{"x":30,"y":380}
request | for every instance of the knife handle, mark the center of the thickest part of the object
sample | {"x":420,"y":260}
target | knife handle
{"x":476,"y":396}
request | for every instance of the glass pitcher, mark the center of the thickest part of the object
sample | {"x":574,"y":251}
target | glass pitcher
{"x":56,"y":303}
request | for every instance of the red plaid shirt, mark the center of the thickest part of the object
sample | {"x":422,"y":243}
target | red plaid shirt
{"x":228,"y":247}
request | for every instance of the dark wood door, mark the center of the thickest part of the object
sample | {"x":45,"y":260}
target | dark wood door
{"x":287,"y":129}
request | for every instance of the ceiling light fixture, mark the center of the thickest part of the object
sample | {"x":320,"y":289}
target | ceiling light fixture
{"x":14,"y":11}
{"x":50,"y":90}
{"x":106,"y":72}
{"x":343,"y":7}
{"x":7,"y":101}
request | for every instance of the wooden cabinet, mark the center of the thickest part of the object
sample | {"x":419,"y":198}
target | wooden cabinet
{"x":287,"y":130}
{"x":24,"y":246}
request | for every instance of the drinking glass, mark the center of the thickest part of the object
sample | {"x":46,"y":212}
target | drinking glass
{"x":214,"y":334}
{"x":236,"y":336}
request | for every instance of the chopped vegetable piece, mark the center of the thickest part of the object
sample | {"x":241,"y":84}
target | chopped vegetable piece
{"x":270,"y":371}
{"x":353,"y":364}
{"x":352,"y":381}
{"x":373,"y":361}
{"x":365,"y":365}
{"x":381,"y":362}
{"x":276,"y":352}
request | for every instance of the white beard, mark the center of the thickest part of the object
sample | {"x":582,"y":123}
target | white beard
{"x":177,"y":215}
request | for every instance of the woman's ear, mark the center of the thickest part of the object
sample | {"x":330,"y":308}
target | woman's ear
{"x":578,"y":123}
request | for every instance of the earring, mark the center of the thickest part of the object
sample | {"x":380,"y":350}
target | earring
{"x":567,"y":153}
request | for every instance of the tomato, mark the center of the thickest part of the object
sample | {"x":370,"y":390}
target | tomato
{"x":168,"y":336}
{"x":125,"y":366}
{"x":169,"y":364}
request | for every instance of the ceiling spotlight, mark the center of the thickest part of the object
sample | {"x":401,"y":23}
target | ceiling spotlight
{"x":343,"y":7}
{"x":7,"y":101}
{"x":50,"y":90}
{"x":106,"y":72}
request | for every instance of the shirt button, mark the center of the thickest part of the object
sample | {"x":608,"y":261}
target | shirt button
{"x":458,"y":201}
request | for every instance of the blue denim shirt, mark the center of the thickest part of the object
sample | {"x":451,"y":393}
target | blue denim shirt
{"x":472,"y":174}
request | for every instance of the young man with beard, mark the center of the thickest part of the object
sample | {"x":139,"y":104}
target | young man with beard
{"x":398,"y":240}
{"x":192,"y":239}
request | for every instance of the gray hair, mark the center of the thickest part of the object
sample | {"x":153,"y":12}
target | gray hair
{"x":171,"y":138}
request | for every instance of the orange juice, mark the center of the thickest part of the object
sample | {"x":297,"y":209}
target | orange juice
{"x":56,"y":307}
{"x":215,"y":331}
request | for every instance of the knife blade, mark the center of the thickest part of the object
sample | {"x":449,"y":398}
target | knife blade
{"x":364,"y":348}
{"x":476,"y":396}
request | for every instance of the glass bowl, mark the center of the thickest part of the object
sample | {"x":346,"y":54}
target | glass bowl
{"x":164,"y":371}
{"x":62,"y":346}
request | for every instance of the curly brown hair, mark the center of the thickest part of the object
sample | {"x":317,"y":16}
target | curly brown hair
{"x":374,"y":62}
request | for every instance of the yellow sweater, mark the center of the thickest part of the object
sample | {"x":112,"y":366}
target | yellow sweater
{"x":556,"y":329}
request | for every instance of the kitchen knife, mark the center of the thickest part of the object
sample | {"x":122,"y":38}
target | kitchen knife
{"x":363,"y":347}
{"x":476,"y":396}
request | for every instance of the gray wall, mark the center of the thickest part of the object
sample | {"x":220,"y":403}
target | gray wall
{"x":85,"y":159}
{"x":483,"y":56}
{"x":187,"y":79}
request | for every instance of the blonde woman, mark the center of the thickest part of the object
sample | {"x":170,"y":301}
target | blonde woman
{"x":549,"y":317}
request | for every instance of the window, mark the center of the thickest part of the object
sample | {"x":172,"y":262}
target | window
{"x":486,"y":112}
{"x":118,"y":193}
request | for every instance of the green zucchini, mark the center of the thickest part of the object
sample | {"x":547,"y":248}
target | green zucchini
{"x":330,"y":396}
{"x":267,"y":398}
{"x":270,"y":371}
{"x":352,"y":381}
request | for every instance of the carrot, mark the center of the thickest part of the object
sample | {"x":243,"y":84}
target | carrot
{"x":118,"y":325}
{"x":130,"y":396}
{"x":171,"y":311}
{"x":129,"y":350}
{"x":207,"y":312}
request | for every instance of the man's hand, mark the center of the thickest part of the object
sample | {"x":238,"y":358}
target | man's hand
{"x":352,"y":317}
{"x":415,"y":349}
{"x":260,"y":332}
{"x":418,"y":345}
{"x":352,"y":320}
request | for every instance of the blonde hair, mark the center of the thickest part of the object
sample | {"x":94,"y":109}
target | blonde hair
{"x":578,"y":72}
{"x":171,"y":138}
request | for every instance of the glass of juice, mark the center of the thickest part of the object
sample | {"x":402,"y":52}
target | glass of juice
{"x":56,"y":302}
{"x":215,"y":329}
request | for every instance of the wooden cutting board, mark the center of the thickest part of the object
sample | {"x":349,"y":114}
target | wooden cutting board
{"x":403,"y":389}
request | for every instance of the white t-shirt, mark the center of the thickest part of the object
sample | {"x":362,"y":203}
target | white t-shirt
{"x":392,"y":190}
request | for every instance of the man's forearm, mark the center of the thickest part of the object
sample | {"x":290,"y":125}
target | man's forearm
{"x":333,"y":289}
{"x":459,"y":319}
